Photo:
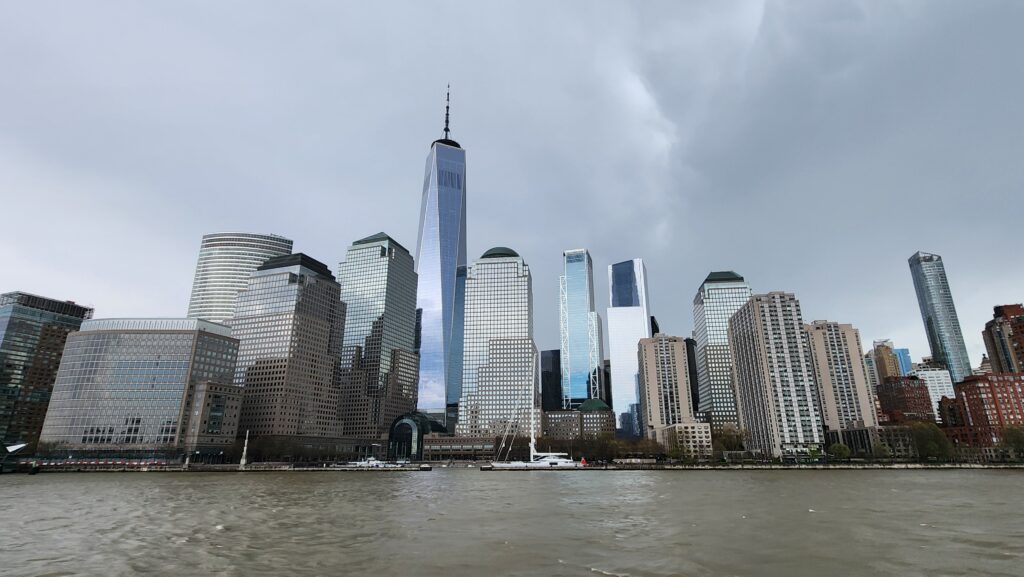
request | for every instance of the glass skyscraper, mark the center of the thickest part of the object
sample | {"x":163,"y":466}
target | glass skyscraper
{"x":131,"y":386}
{"x":582,"y":347}
{"x":33,"y":330}
{"x":939,"y":314}
{"x":378,"y":363}
{"x":718,"y":298}
{"x":226,"y":259}
{"x":500,"y":374}
{"x":441,"y":266}
{"x":628,"y":323}
{"x":289,"y":323}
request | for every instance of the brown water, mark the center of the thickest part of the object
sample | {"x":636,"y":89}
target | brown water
{"x":466,"y":522}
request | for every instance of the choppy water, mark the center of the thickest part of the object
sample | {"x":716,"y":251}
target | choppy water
{"x":465,"y":522}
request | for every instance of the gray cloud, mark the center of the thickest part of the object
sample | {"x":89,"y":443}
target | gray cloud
{"x":811,"y":147}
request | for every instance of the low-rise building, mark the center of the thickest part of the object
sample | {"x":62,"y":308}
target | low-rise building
{"x":593,"y":419}
{"x":984,"y":406}
{"x":905,"y":399}
{"x":691,"y":440}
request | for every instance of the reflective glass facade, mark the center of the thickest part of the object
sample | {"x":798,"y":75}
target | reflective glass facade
{"x":379,"y":367}
{"x":441,"y":266}
{"x":718,"y":298}
{"x":939,"y":314}
{"x":582,"y":347}
{"x":33,"y":330}
{"x":226,"y":259}
{"x":628,"y":323}
{"x":500,"y":374}
{"x":127,"y":385}
{"x":289,"y":322}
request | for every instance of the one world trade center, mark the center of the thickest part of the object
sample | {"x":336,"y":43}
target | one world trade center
{"x":441,"y":266}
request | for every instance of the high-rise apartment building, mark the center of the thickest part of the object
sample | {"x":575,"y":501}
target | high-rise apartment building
{"x":628,"y":323}
{"x":937,"y":380}
{"x":776,"y":395}
{"x":441,"y":266}
{"x":845,"y":397}
{"x":33,"y":330}
{"x":718,"y":298}
{"x":665,"y":389}
{"x":289,"y":322}
{"x":226,"y":259}
{"x":939,"y":314}
{"x":582,"y":349}
{"x":1004,"y":339}
{"x":500,"y":361}
{"x":379,"y":368}
{"x":128,"y":387}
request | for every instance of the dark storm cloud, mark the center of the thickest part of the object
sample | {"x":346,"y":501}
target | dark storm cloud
{"x":811,"y":147}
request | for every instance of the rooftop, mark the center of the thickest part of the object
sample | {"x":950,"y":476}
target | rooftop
{"x":379,"y":237}
{"x":500,"y":252}
{"x":723,"y":276}
{"x":591,"y":405}
{"x":297,"y":259}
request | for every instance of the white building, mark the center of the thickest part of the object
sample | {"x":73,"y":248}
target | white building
{"x":500,"y":370}
{"x":629,"y":321}
{"x":939,"y":383}
{"x":776,"y":395}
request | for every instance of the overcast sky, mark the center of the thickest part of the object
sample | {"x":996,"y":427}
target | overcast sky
{"x":810,"y":146}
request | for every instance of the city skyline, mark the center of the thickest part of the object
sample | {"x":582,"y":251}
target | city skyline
{"x":677,"y":153}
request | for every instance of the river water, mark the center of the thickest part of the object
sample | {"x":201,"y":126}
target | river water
{"x":472,"y":523}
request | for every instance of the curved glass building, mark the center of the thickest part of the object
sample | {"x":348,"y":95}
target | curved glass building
{"x":226,"y":260}
{"x":441,"y":266}
{"x":945,"y":339}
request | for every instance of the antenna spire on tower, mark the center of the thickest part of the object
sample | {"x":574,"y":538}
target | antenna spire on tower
{"x":447,"y":103}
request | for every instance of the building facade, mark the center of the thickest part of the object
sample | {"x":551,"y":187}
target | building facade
{"x":550,"y":380}
{"x":628,"y":322}
{"x":941,"y":323}
{"x":938,"y":381}
{"x":887,"y":364}
{"x":691,"y":366}
{"x":582,"y":349}
{"x":226,"y":260}
{"x":1004,"y":339}
{"x":718,"y":298}
{"x":776,"y":394}
{"x":378,"y":372}
{"x":592,"y":420}
{"x":289,"y":322}
{"x":845,"y":397}
{"x":665,"y":396}
{"x":500,"y":374}
{"x":33,"y":330}
{"x":905,"y":399}
{"x":128,"y":387}
{"x":441,"y":266}
{"x":984,"y":406}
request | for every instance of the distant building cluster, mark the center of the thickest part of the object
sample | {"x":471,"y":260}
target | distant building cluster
{"x":432,"y":356}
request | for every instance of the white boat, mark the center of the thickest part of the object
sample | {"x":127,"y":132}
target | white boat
{"x":372,"y":463}
{"x":538,"y":460}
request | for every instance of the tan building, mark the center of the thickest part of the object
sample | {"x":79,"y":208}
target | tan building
{"x":665,"y":396}
{"x":847,"y":400}
{"x":886,"y":363}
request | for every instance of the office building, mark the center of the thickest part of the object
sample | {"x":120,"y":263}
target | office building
{"x":1004,"y":339}
{"x":629,"y":321}
{"x":289,"y":322}
{"x":593,"y":419}
{"x":226,"y":260}
{"x":938,"y":382}
{"x":905,"y":399}
{"x":582,"y":348}
{"x":718,"y":298}
{"x":500,"y":374}
{"x":773,"y":368}
{"x":550,"y":380}
{"x":845,"y":399}
{"x":441,"y":266}
{"x":379,"y":368}
{"x":939,"y":314}
{"x":144,"y":387}
{"x":33,"y":330}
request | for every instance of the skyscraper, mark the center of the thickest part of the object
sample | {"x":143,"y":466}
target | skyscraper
{"x":441,"y":266}
{"x":581,"y":351}
{"x":550,"y":381}
{"x":939,"y":314}
{"x":628,"y":323}
{"x":226,"y":259}
{"x":33,"y":330}
{"x":846,"y":399}
{"x":1004,"y":339}
{"x":887,"y":364}
{"x":379,"y":368}
{"x":289,"y":322}
{"x":161,"y":386}
{"x":665,"y":391}
{"x":500,"y":374}
{"x":776,"y":395}
{"x":718,"y":298}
